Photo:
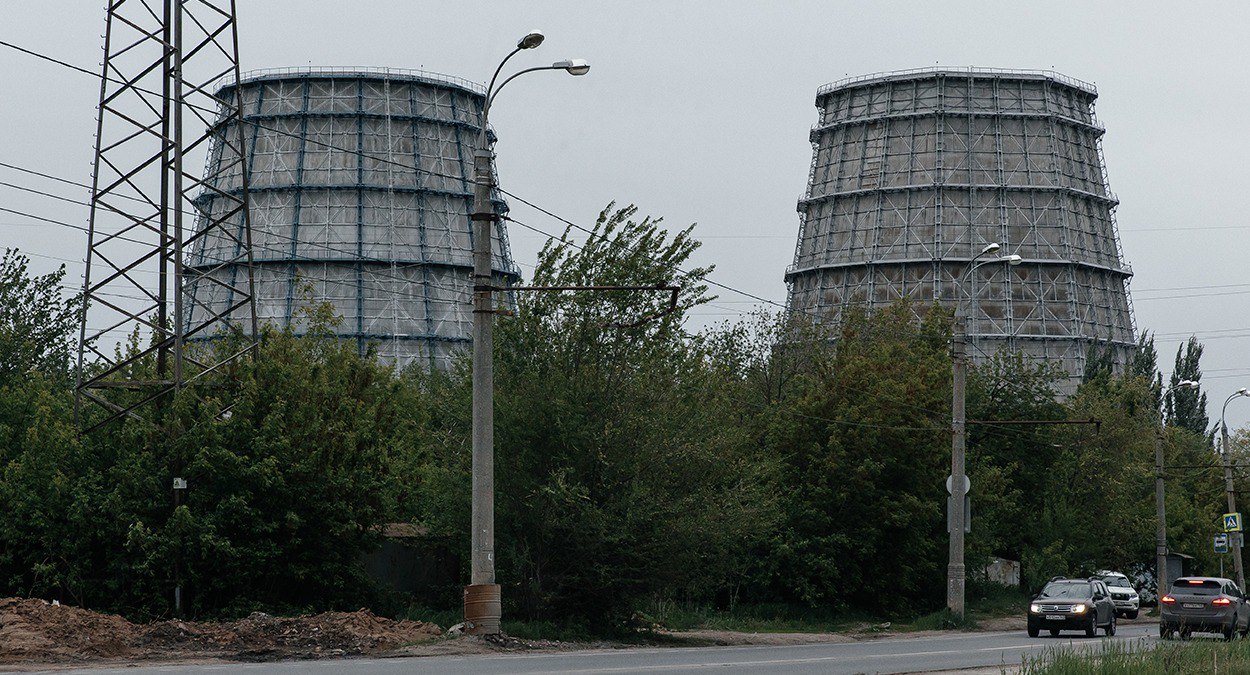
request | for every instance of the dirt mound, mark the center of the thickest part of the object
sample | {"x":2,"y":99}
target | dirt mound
{"x":34,"y":630}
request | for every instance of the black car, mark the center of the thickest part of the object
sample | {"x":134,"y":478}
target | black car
{"x":1203,"y":604}
{"x":1072,"y":604}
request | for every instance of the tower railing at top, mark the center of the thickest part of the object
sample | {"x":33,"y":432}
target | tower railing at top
{"x":339,"y":71}
{"x":967,"y":70}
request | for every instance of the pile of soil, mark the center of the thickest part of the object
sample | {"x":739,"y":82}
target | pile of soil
{"x":37,"y":631}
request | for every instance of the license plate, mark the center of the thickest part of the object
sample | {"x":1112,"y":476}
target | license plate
{"x":1191,"y":605}
{"x":1056,"y":617}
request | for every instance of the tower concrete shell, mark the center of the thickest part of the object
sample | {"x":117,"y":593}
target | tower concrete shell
{"x":360,"y":185}
{"x":913,"y":173}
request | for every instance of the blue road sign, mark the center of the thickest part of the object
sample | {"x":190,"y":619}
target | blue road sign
{"x":1221,"y":543}
{"x":1232,"y":522}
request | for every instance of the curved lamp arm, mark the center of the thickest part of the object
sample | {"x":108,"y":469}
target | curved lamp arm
{"x":1240,"y":392}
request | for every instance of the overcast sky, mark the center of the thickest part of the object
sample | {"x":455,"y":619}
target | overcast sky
{"x":699,"y":112}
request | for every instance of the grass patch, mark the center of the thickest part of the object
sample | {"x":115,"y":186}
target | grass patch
{"x":1200,"y":656}
{"x":444,"y":618}
{"x":984,"y":601}
{"x":761,"y":618}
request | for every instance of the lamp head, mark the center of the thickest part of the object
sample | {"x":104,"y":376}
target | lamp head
{"x":573,"y":66}
{"x":531,"y":40}
{"x":1243,"y":392}
{"x":1012,"y":259}
{"x":1186,"y":384}
{"x":990,"y":248}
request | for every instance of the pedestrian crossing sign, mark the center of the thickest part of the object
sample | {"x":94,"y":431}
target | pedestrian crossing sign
{"x":1232,"y":522}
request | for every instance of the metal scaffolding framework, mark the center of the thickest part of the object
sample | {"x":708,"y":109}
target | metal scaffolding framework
{"x":361,"y":185}
{"x":913,"y":173}
{"x":161,"y":58}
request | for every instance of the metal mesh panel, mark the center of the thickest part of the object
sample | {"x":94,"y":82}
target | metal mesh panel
{"x":360,"y":193}
{"x":914,"y":173}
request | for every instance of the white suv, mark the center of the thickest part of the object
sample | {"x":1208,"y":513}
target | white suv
{"x":1127,"y":602}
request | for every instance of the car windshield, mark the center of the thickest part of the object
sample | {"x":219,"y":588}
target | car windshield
{"x":1074,"y":590}
{"x":1197,"y":586}
{"x":1118,"y":582}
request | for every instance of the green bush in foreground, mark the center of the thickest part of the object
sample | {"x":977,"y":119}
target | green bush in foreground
{"x":1133,"y":658}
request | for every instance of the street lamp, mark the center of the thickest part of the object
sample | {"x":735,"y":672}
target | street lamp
{"x":1161,"y":516}
{"x":955,"y":573}
{"x":482,"y":610}
{"x":1228,"y":487}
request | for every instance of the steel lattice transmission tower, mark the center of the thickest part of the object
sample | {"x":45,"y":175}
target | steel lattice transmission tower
{"x":163,"y":60}
{"x":913,"y":173}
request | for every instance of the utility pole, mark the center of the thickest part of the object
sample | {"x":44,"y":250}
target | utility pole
{"x":482,"y":598}
{"x":1161,"y":516}
{"x":1236,"y":539}
{"x":1161,"y":519}
{"x":1232,"y":506}
{"x":955,"y":571}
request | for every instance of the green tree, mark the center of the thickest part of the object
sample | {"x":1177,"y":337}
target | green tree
{"x":1187,"y":408}
{"x":621,"y":475}
{"x":1145,"y":364}
{"x":1008,"y":462}
{"x":286,"y":491}
{"x":865,"y":445}
{"x":37,"y":324}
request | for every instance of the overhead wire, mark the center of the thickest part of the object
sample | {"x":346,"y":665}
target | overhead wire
{"x":361,"y":154}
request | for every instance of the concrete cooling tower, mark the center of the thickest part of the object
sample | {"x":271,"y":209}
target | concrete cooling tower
{"x":360,"y":184}
{"x":914,"y":173}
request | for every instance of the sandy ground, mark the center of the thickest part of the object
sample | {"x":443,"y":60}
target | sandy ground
{"x":37,"y":635}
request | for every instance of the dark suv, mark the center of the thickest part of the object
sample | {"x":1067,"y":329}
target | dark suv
{"x":1203,"y":604}
{"x":1072,"y":604}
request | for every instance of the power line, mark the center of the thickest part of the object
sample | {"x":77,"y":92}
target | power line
{"x":387,"y":160}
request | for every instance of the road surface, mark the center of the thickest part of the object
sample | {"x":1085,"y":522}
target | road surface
{"x":947,"y":651}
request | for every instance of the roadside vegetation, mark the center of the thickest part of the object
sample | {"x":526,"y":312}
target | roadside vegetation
{"x":769,"y":474}
{"x":1196,"y":657}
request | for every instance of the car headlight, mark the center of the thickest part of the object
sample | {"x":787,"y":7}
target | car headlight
{"x":1079,"y":609}
{"x":1035,"y":608}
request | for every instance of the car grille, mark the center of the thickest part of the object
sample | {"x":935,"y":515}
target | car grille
{"x":1121,"y":596}
{"x":1055,"y":608}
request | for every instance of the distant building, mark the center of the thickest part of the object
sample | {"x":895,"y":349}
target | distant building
{"x":913,"y":173}
{"x":360,"y":185}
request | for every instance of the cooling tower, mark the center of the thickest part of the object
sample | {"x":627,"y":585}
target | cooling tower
{"x":915,"y":172}
{"x":360,"y":185}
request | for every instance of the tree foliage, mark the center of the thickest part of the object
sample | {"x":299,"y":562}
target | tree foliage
{"x":1187,"y":408}
{"x":619,"y":474}
{"x":286,"y":491}
{"x":774,"y":461}
{"x":864,"y":446}
{"x":37,"y":324}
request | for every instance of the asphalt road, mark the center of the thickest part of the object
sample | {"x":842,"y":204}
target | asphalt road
{"x":886,"y":655}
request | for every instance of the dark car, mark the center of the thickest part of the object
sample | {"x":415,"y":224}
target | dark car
{"x":1072,"y":604}
{"x":1204,"y":605}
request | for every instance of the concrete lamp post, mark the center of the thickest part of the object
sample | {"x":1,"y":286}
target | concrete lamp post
{"x":955,"y":571}
{"x":482,"y":611}
{"x":1161,"y":517}
{"x":1235,"y":542}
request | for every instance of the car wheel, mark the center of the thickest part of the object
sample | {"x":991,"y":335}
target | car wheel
{"x":1054,"y":632}
{"x":1111,"y":626}
{"x":1131,"y":615}
{"x":1093,"y":625}
{"x":1229,"y":630}
{"x":1033,"y":631}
